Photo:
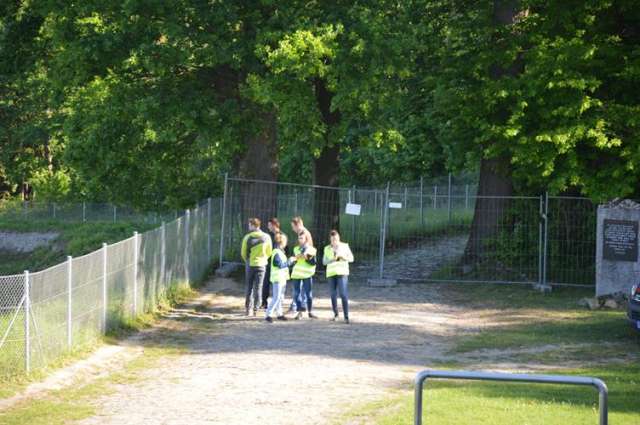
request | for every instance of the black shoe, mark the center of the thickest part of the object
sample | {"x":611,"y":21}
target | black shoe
{"x":269,"y":319}
{"x":298,"y":316}
{"x":334,"y":318}
{"x":255,"y":312}
{"x":312,"y":316}
{"x":346,"y":321}
{"x":283,"y":318}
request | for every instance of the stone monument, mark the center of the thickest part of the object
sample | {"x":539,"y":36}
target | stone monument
{"x":617,"y":265}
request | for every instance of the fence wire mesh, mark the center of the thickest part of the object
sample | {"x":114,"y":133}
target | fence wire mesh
{"x":47,"y":314}
{"x":429,"y":230}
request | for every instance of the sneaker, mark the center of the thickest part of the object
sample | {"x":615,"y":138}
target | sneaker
{"x":255,"y":312}
{"x":334,"y":318}
{"x":268,"y":319}
{"x":312,"y":316}
{"x":246,"y":312}
{"x":346,"y":321}
{"x":298,"y":316}
{"x":283,"y":318}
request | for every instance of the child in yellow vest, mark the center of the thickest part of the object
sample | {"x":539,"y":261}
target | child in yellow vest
{"x":337,"y":257}
{"x":278,"y":277}
{"x":304,"y":268}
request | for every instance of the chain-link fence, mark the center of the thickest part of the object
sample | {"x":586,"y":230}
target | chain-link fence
{"x":46,"y":314}
{"x":430,"y":230}
{"x":78,"y":212}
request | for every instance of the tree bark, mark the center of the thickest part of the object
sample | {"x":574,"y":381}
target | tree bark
{"x":326,"y":169}
{"x":495,"y":183}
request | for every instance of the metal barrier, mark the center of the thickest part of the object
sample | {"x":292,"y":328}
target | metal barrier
{"x":507,"y":377}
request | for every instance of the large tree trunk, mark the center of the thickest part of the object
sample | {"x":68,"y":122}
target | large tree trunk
{"x":259,"y":162}
{"x":259,"y":158}
{"x":495,"y":183}
{"x":326,"y":168}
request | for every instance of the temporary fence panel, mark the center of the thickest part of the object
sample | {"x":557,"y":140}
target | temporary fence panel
{"x":87,"y":304}
{"x":322,"y":209}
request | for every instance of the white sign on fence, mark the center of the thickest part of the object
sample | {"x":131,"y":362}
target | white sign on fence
{"x":353,"y":209}
{"x":396,"y":205}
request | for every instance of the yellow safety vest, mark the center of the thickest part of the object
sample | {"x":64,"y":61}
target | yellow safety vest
{"x":336,"y":268}
{"x":278,"y":275}
{"x":302,"y":269}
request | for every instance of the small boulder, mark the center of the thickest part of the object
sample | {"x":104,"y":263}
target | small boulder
{"x":590,"y":303}
{"x":611,"y":303}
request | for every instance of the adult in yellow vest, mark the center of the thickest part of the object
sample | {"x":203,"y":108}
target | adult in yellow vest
{"x":304,"y":267}
{"x":255,"y":251}
{"x":336,"y":257}
{"x":278,"y":277}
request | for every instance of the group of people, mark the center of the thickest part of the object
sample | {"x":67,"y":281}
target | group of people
{"x":269,"y":267}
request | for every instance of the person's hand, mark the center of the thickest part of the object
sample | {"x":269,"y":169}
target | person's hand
{"x":293,"y":259}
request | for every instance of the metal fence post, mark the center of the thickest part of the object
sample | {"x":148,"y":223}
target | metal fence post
{"x":208,"y":230}
{"x":541,"y":240}
{"x":84,"y":212}
{"x":69,"y":302}
{"x":405,"y":197}
{"x":163,"y":254}
{"x":187,"y":223}
{"x":421,"y":202}
{"x":115,"y":214}
{"x":352,"y":199}
{"x":546,"y":238}
{"x":449,"y":199}
{"x":104,"y":287}
{"x":466,"y":196}
{"x":224,"y":210}
{"x":435,"y":197}
{"x":54,"y":210}
{"x":136,"y":245}
{"x":383,"y":237}
{"x":27,"y":329}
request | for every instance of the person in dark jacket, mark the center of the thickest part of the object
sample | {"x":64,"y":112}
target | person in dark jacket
{"x":273,"y":227}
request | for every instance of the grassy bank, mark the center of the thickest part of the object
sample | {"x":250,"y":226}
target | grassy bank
{"x":74,"y":239}
{"x":549,"y":333}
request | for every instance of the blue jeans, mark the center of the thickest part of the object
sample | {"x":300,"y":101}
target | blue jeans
{"x":338,"y":284}
{"x":302,"y":289}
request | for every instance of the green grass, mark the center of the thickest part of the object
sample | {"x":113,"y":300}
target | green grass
{"x":545,"y":330}
{"x":75,"y":239}
{"x":456,"y":403}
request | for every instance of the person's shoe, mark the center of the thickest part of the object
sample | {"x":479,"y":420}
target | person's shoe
{"x":246,"y":312}
{"x":282,"y":318}
{"x":268,"y":319}
{"x":291,"y":310}
{"x":346,"y":321}
{"x":312,"y":316}
{"x":298,"y":316}
{"x":255,"y":312}
{"x":263,"y":307}
{"x":334,"y":318}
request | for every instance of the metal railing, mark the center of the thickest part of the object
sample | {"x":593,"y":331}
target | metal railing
{"x":507,"y":377}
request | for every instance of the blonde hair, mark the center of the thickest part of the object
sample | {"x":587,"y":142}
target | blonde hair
{"x":255,"y":222}
{"x":280,"y":239}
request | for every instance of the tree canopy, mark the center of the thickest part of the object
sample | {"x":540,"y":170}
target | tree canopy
{"x":150,"y":103}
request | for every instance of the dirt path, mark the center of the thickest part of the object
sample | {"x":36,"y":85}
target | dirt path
{"x":238,"y":370}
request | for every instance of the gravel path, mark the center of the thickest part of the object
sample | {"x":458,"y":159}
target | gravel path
{"x":238,"y":370}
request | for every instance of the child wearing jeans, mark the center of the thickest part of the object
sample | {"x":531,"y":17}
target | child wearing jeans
{"x":278,"y":277}
{"x":304,"y":268}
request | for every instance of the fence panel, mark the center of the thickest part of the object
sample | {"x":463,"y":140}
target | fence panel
{"x":12,"y":346}
{"x":120,"y":276}
{"x":322,"y":209}
{"x":86,"y":298}
{"x":49,"y":304}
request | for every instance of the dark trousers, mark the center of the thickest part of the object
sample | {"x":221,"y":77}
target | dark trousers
{"x":300,"y":286}
{"x":266,"y":287}
{"x":338,"y":285}
{"x":254,"y":277}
